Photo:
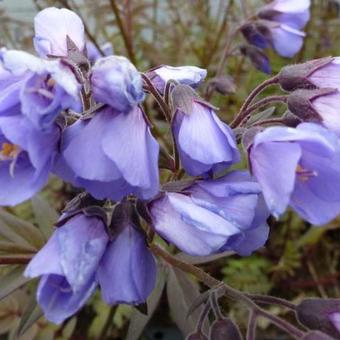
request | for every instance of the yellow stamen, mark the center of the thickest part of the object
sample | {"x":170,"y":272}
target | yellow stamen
{"x":9,"y":151}
{"x":304,"y":174}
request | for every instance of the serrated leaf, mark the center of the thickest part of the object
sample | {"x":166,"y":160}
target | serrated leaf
{"x":138,"y":320}
{"x":45,"y":215}
{"x":30,"y":315}
{"x":19,"y":231}
{"x":12,"y":280}
{"x":182,"y":292}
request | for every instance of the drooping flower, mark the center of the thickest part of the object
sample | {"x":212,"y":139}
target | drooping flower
{"x":203,"y":141}
{"x":213,"y":216}
{"x":116,"y":82}
{"x":52,"y":26}
{"x":111,"y":155}
{"x":293,"y":13}
{"x":26,"y":157}
{"x":299,"y":167}
{"x":185,"y":75}
{"x":284,"y":39}
{"x":80,"y":254}
{"x":67,"y":266}
{"x":127,"y":271}
{"x":46,"y":87}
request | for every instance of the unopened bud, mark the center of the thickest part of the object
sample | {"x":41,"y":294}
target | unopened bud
{"x":316,"y":335}
{"x":224,"y":329}
{"x":318,"y":314}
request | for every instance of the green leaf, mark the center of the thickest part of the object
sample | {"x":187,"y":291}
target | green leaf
{"x":12,"y":280}
{"x":267,"y":113}
{"x":45,"y":215}
{"x":19,"y":231}
{"x":138,"y":320}
{"x":182,"y":292}
{"x":30,"y":315}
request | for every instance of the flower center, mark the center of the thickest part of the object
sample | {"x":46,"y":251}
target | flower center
{"x":304,"y":174}
{"x":9,"y":151}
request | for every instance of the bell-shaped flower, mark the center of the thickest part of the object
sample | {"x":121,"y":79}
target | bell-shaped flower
{"x":26,"y":157}
{"x":127,"y":271}
{"x":67,"y":265}
{"x":49,"y":87}
{"x":293,"y":13}
{"x":213,"y":216}
{"x":299,"y":167}
{"x":52,"y":26}
{"x":284,"y":39}
{"x":185,"y":75}
{"x":111,"y":155}
{"x":116,"y":82}
{"x":203,"y":141}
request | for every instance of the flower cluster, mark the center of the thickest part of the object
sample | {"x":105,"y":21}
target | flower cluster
{"x":79,"y":115}
{"x":277,"y":25}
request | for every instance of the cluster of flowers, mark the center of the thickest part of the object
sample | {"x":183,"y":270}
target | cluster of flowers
{"x":108,"y":150}
{"x":277,"y":25}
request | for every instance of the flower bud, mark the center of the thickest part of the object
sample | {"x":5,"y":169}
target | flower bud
{"x":224,"y":329}
{"x":316,"y":335}
{"x":116,"y":82}
{"x":320,"y":314}
{"x":305,"y":76}
{"x":257,"y":57}
{"x":318,"y":106}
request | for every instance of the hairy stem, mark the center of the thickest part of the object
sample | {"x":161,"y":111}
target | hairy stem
{"x":159,"y":99}
{"x":242,"y":113}
{"x":271,"y":300}
{"x":230,"y":292}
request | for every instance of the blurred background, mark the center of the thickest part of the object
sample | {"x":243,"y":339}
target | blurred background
{"x":298,"y":261}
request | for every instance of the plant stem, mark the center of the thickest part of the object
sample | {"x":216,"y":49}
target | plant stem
{"x":271,"y":300}
{"x":127,"y":42}
{"x":108,"y":322}
{"x":241,"y":115}
{"x":230,"y":292}
{"x":251,"y":329}
{"x":164,"y":107}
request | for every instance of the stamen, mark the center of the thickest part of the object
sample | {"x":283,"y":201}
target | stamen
{"x":304,"y":174}
{"x":10,"y":152}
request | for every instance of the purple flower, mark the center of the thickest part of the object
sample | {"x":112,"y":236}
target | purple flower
{"x":127,"y":271}
{"x":115,"y":81}
{"x":26,"y":157}
{"x":203,"y":141}
{"x":284,"y":39}
{"x":213,"y":216}
{"x":335,"y":319}
{"x":111,"y":155}
{"x":10,"y":87}
{"x":293,"y":13}
{"x":311,"y":75}
{"x":46,"y":87}
{"x":80,"y":255}
{"x":52,"y":26}
{"x":185,"y":75}
{"x":301,"y":168}
{"x":67,"y":266}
